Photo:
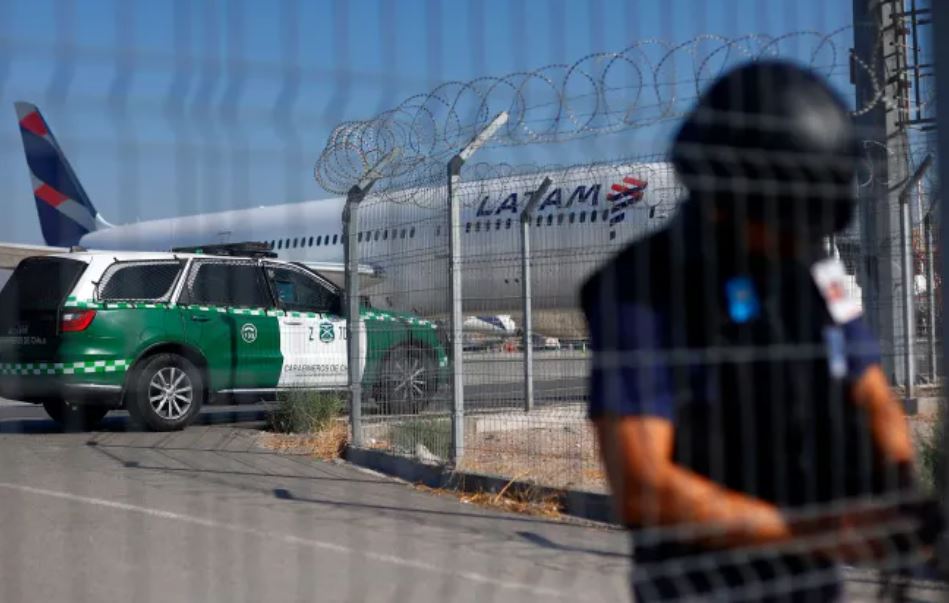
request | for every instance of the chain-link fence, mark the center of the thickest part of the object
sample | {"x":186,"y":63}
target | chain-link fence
{"x":524,"y":350}
{"x":586,"y":215}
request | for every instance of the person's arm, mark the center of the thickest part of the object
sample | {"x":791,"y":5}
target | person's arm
{"x":652,"y":490}
{"x":872,"y":393}
{"x":889,"y":431}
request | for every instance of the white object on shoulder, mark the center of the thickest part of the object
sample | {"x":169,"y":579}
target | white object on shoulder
{"x":831,"y":280}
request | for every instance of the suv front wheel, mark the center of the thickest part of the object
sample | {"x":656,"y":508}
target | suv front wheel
{"x":165,"y":393}
{"x":407,"y":379}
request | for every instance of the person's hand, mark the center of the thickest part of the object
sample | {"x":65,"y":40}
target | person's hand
{"x":870,"y":535}
{"x":857,"y":535}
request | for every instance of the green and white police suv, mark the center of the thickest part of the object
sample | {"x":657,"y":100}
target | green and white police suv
{"x":162,"y":333}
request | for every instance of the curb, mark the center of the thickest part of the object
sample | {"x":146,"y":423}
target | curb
{"x":583,"y":505}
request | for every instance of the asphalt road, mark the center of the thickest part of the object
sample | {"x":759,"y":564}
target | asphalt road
{"x":18,"y":417}
{"x":495,"y":380}
{"x":208,"y":515}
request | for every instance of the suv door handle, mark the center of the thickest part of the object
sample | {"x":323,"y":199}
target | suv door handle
{"x":199,"y":318}
{"x":294,"y":323}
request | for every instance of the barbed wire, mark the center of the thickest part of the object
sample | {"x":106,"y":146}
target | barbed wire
{"x":645,"y":84}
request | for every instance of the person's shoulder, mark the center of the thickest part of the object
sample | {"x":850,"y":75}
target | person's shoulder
{"x":628,"y":277}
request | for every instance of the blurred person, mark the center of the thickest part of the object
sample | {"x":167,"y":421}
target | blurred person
{"x":749,"y":433}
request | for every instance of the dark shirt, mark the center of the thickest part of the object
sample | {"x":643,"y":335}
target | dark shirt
{"x":751,"y":361}
{"x":645,"y":387}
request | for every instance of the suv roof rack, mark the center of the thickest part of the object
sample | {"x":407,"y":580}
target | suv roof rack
{"x":253,"y":249}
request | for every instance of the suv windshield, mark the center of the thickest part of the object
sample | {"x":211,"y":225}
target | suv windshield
{"x":39,"y":284}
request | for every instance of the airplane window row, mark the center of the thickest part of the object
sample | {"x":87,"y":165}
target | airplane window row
{"x":384,"y":235}
{"x":396,"y":233}
{"x":304,"y":242}
{"x":571,"y":218}
{"x":372,"y":235}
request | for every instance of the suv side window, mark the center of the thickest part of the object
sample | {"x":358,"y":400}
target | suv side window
{"x":298,"y":291}
{"x":239,"y":284}
{"x":152,"y":281}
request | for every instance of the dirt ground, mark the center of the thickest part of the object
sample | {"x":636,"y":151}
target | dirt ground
{"x":568,"y":457}
{"x":561,"y":454}
{"x":922,"y":425}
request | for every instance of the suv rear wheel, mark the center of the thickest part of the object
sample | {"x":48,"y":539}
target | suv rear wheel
{"x":73,"y":417}
{"x":166,"y":393}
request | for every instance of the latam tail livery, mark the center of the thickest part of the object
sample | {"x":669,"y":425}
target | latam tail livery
{"x":583,"y":218}
{"x":65,"y":211}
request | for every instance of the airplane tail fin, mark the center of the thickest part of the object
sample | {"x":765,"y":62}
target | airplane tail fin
{"x":64,"y":208}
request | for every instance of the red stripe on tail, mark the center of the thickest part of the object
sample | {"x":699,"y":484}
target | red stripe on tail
{"x":50,"y":195}
{"x":34,"y":123}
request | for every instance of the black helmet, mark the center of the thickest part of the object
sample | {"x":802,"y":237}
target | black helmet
{"x":771,"y":140}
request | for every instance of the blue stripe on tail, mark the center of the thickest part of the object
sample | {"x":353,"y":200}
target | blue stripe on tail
{"x":58,"y":229}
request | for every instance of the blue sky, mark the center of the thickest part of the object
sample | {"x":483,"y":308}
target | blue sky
{"x":177,"y":107}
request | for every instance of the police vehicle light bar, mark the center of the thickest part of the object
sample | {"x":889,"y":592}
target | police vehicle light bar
{"x":254,"y":249}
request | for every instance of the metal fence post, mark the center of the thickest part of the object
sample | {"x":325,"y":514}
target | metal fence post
{"x":455,"y":267}
{"x":354,"y":324}
{"x":528,"y":326}
{"x":930,"y":298}
{"x":909,"y":332}
{"x":906,"y":261}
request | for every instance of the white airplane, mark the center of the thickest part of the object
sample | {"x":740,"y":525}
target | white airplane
{"x":585,"y":216}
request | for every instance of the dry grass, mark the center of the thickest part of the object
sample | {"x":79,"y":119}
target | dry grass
{"x":304,"y":411}
{"x":928,"y":431}
{"x":327,"y":443}
{"x":526,"y":502}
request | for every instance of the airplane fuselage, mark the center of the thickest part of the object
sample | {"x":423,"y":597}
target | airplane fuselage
{"x":583,"y":218}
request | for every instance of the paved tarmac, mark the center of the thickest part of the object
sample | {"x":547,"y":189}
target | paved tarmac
{"x":208,"y":515}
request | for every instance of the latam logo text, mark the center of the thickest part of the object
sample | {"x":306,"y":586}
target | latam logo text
{"x":557,"y":197}
{"x":629,"y":192}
